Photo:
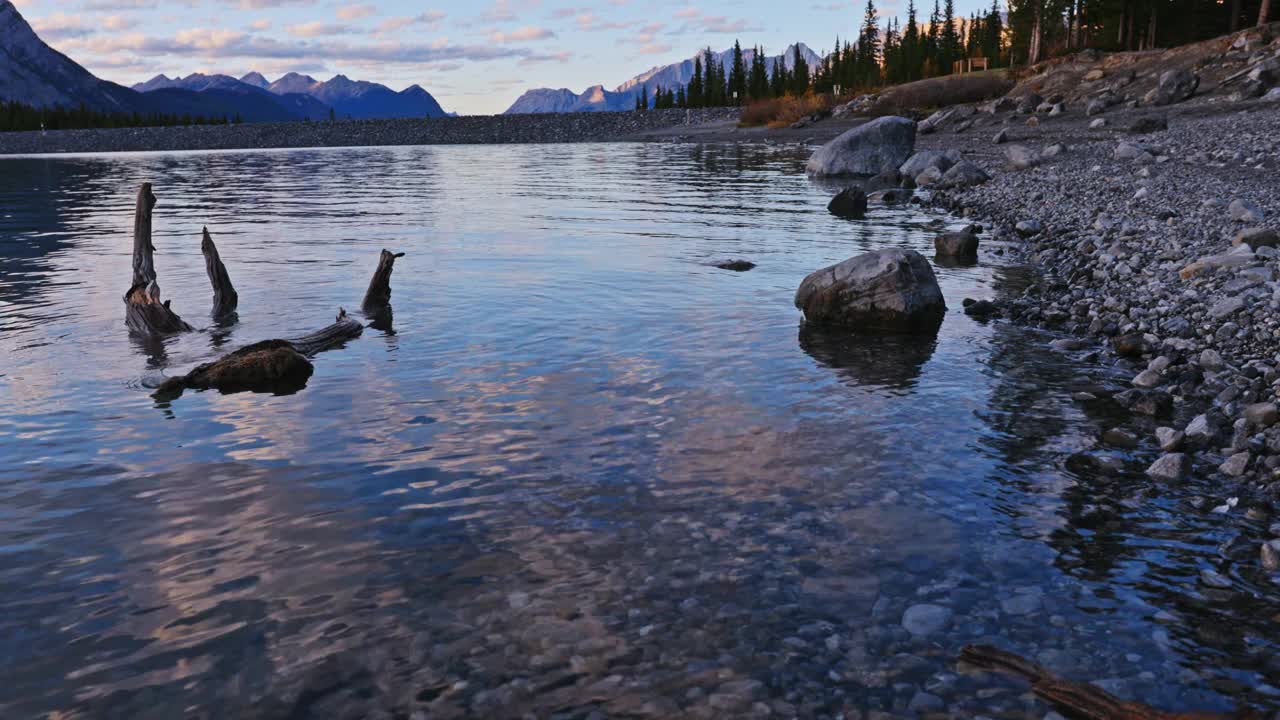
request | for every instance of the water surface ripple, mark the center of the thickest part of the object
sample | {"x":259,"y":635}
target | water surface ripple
{"x":585,"y":471}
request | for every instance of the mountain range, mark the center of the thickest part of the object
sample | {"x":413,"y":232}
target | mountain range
{"x":597,"y":99}
{"x":304,"y":96}
{"x":33,"y":73}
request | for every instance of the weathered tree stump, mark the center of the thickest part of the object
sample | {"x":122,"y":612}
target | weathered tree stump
{"x":1081,"y":700}
{"x":275,"y":366}
{"x":145,"y":314}
{"x":379,"y":292}
{"x":225,"y":298}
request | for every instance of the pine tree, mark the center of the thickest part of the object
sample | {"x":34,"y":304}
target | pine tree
{"x":696,"y":92}
{"x":799,"y":73}
{"x":992,"y":29}
{"x":758,"y":82}
{"x":643,"y":100}
{"x":911,"y":56}
{"x":949,"y":42}
{"x":778,"y":82}
{"x":869,"y":49}
{"x":738,"y":76}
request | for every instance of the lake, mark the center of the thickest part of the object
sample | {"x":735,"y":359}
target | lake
{"x":584,"y":474}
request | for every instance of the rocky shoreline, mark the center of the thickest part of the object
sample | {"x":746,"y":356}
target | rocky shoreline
{"x":465,"y":130}
{"x":1158,"y":251}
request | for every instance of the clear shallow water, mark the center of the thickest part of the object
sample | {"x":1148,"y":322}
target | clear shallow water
{"x":587,"y":472}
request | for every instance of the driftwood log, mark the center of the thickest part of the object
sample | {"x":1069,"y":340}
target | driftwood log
{"x":1078,"y":700}
{"x":225,"y":298}
{"x":275,"y":366}
{"x":145,"y":313}
{"x":379,"y":293}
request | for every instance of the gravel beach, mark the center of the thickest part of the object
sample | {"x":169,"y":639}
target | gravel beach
{"x":1159,"y":249}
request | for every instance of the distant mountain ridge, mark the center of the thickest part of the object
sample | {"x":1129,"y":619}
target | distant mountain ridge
{"x":348,"y":98}
{"x":597,"y":99}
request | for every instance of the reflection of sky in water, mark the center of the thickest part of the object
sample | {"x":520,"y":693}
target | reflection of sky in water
{"x":578,"y":427}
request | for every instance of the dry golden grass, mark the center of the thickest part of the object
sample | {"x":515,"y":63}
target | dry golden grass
{"x":781,"y":112}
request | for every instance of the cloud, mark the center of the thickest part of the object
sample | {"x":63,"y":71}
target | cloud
{"x":261,"y":4}
{"x":564,"y":12}
{"x":355,"y":12}
{"x":562,"y":57}
{"x":319,"y":29}
{"x":115,"y":5}
{"x":524,"y":34}
{"x":60,"y":26}
{"x":688,"y":12}
{"x":588,"y":22}
{"x":655,"y":49}
{"x":261,"y":24}
{"x":213,"y":43}
{"x":395,"y":24}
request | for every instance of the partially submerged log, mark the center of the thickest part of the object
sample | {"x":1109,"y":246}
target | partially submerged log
{"x":225,"y":298}
{"x":343,"y":329}
{"x":1081,"y":700}
{"x":274,"y":366}
{"x":145,"y":313}
{"x":379,"y":293}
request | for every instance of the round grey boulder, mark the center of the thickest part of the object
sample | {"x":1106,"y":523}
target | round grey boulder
{"x":890,"y":289}
{"x":870,"y":149}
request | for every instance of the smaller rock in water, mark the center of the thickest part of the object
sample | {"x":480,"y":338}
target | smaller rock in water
{"x":1147,"y":379}
{"x":1171,"y":466}
{"x":1236,"y":465}
{"x":926,"y":619}
{"x":1001,"y":137}
{"x":1271,"y":555}
{"x":960,"y":245}
{"x":1131,"y":345}
{"x":736,"y":265}
{"x":1256,"y":237}
{"x":1170,"y":440}
{"x":1121,"y":438}
{"x":1098,"y":124}
{"x":926,"y":159}
{"x":981,"y":309}
{"x":1262,"y":415}
{"x":1214,"y":579}
{"x":849,"y":203}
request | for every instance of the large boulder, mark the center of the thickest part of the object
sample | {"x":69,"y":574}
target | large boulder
{"x":1175,"y":86}
{"x":849,"y":203}
{"x":891,"y":289}
{"x":869,"y":149}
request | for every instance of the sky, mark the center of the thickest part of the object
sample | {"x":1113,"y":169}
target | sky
{"x":474,"y":57}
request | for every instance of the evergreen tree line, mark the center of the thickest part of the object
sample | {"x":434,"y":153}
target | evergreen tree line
{"x":1043,"y":28}
{"x":745,"y":80}
{"x":889,"y":55}
{"x":15,"y":116}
